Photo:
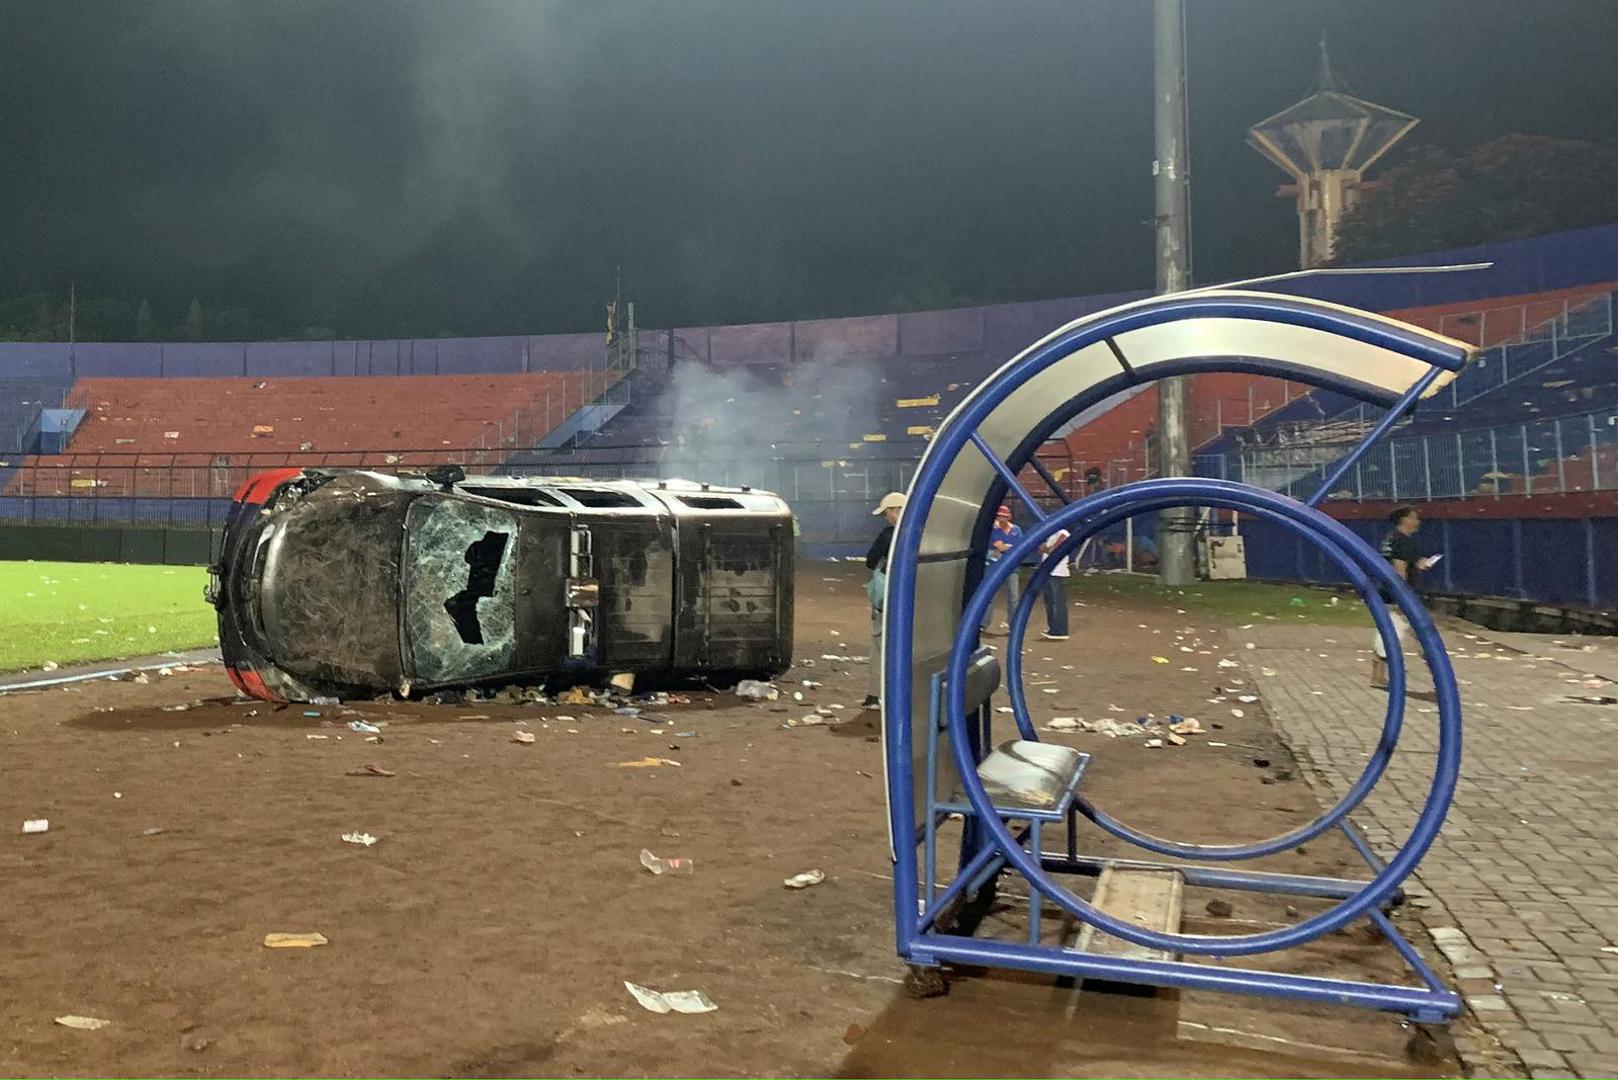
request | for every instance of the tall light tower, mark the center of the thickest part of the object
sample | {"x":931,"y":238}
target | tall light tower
{"x":1325,"y":143}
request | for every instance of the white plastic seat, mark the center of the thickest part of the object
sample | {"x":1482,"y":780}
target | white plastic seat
{"x":1030,"y":775}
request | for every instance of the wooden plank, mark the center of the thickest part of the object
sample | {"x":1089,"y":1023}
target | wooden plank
{"x":1148,"y":898}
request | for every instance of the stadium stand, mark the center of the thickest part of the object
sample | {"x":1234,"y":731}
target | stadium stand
{"x":832,"y":412}
{"x":135,"y":428}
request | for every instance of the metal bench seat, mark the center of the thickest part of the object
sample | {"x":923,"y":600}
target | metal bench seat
{"x":1022,"y":778}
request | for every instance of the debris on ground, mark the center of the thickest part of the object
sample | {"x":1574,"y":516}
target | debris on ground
{"x":36,"y":825}
{"x":647,"y":763}
{"x":294,"y":941}
{"x":526,"y":738}
{"x":624,"y":682}
{"x":83,"y":1023}
{"x":666,"y":866}
{"x":1153,"y":744}
{"x":813,"y":719}
{"x":754,"y":690}
{"x":363,"y":839}
{"x":49,"y":665}
{"x":364,"y":728}
{"x":371,"y":770}
{"x":1219,"y":909}
{"x":805,"y":879}
{"x":680,"y":1001}
{"x":576,"y":695}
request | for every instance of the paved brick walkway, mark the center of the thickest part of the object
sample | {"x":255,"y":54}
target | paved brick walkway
{"x":1521,"y":888}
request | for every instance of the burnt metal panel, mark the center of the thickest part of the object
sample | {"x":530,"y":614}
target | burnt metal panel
{"x":634,"y":566}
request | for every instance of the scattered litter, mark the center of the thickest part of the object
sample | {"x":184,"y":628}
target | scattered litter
{"x":1521,"y":708}
{"x":647,"y":763}
{"x":623,"y":682}
{"x":1062,"y":723}
{"x":36,"y":825}
{"x":1189,"y":726}
{"x":1267,"y":672}
{"x":805,"y":879}
{"x":680,"y":1001}
{"x":294,"y":941}
{"x":83,"y":1023}
{"x":813,"y":719}
{"x":1160,"y":659}
{"x":363,"y":839}
{"x":1237,"y":713}
{"x":1174,"y":739}
{"x":665,"y":866}
{"x":1247,"y":699}
{"x":371,"y":770}
{"x":1228,"y":664}
{"x":323,"y":700}
{"x":575,"y":695}
{"x":364,"y":728}
{"x":141,"y":678}
{"x":526,"y":738}
{"x":1218,"y":744}
{"x":49,"y":665}
{"x":312,"y":713}
{"x":1153,"y":744}
{"x":307,"y":737}
{"x":754,"y":690}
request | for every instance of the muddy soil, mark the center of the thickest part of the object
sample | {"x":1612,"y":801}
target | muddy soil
{"x":490,"y":929}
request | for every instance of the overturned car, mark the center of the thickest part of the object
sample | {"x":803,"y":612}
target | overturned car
{"x":351,"y":583}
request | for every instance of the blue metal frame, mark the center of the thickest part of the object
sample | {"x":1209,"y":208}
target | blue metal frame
{"x":992,"y":846}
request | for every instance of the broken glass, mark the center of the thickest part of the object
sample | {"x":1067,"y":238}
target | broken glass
{"x":460,"y":599}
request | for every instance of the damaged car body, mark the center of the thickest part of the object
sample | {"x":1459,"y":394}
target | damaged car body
{"x":354,"y":583}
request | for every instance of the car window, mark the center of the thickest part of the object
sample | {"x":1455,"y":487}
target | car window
{"x":460,"y":603}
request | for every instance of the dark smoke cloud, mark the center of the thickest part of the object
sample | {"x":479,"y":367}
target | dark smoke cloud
{"x":478,"y":166}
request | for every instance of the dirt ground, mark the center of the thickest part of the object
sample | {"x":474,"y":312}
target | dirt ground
{"x":490,"y":930}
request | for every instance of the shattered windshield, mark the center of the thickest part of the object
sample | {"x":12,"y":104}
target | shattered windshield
{"x":460,"y":604}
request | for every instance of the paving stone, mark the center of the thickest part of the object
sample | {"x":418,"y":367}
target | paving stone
{"x":1521,"y":886}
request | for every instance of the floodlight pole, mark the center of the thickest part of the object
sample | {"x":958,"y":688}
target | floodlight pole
{"x":1171,"y":170}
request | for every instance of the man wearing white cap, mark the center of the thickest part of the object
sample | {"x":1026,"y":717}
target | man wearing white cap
{"x":876,"y":561}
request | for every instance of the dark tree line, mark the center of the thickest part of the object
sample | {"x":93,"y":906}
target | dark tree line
{"x":60,"y":316}
{"x":1508,"y":188}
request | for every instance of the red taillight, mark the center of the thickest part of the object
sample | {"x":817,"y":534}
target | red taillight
{"x":256,"y":489}
{"x":251,"y":683}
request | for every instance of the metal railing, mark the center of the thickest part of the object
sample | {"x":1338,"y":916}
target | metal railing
{"x":1565,"y":455}
{"x":833,"y":497}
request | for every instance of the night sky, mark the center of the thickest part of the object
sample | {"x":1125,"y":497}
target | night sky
{"x":383,"y":167}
